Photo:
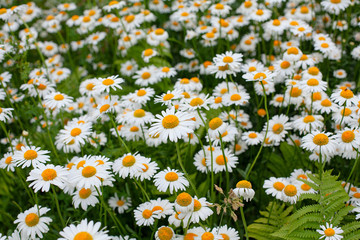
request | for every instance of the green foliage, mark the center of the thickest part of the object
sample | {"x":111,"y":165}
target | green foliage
{"x":327,"y":205}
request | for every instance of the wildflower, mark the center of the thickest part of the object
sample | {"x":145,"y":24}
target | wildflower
{"x":84,"y":230}
{"x":244,"y":189}
{"x":32,"y":222}
{"x":329,"y":232}
{"x":121,"y":204}
{"x":45,"y":175}
{"x":170,"y":179}
{"x":30,"y":156}
{"x":85,"y":197}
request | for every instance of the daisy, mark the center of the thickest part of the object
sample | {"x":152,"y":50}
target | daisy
{"x":85,"y":197}
{"x":290,"y":193}
{"x":89,"y":174}
{"x":164,"y":233}
{"x":129,"y":67}
{"x":5,"y":114}
{"x":147,"y":54}
{"x":308,"y":123}
{"x":237,"y":98}
{"x":348,"y":139}
{"x":325,"y":106}
{"x":184,"y":203}
{"x":172,"y":125}
{"x":146,"y":76}
{"x":143,"y":95}
{"x":168,"y":97}
{"x":128,"y":165}
{"x":329,"y":232}
{"x":278,"y":127}
{"x":78,"y":132}
{"x":220,"y":160}
{"x":220,"y":10}
{"x":230,"y":59}
{"x":32,"y":222}
{"x":252,"y":138}
{"x":167,"y":72}
{"x":343,"y":96}
{"x":7,"y":162}
{"x":163,"y":208}
{"x":340,"y":74}
{"x":274,"y":186}
{"x":106,"y":84}
{"x":196,"y":102}
{"x":320,"y":142}
{"x":30,"y":156}
{"x":138,"y":117}
{"x":121,"y":204}
{"x":244,"y":189}
{"x":144,"y":216}
{"x":228,"y":233}
{"x":201,"y":210}
{"x":334,"y":7}
{"x":170,"y":179}
{"x":44,"y":175}
{"x":57,"y":100}
{"x":259,"y":76}
{"x":84,"y":230}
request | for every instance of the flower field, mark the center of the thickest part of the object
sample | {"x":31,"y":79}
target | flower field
{"x":183,"y":119}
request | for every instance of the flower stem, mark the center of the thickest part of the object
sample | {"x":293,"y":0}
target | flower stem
{"x":267,"y":128}
{"x":244,"y":222}
{"x":117,"y":133}
{"x":183,"y":169}
{"x":57,"y":207}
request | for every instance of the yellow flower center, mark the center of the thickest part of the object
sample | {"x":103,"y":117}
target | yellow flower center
{"x":84,"y":193}
{"x":88,"y":171}
{"x":215,"y":123}
{"x":335,"y":1}
{"x":285,"y":64}
{"x":75,"y":132}
{"x":128,"y":161}
{"x":321,"y":139}
{"x":279,"y":186}
{"x":147,"y":213}
{"x":252,"y":135}
{"x":243,"y":184}
{"x":32,"y":219}
{"x":165,"y":233}
{"x":8,"y":160}
{"x":49,"y":174}
{"x":83,"y":236}
{"x":145,"y":75}
{"x":278,"y":128}
{"x":86,"y":19}
{"x":157,"y":208}
{"x":120,"y":203}
{"x":347,"y":93}
{"x":305,"y":187}
{"x":347,"y":112}
{"x":170,"y":121}
{"x":148,"y":52}
{"x":313,"y":71}
{"x":171,"y":176}
{"x":168,"y":96}
{"x":207,"y":236}
{"x":30,"y":155}
{"x":326,"y":103}
{"x":295,"y":92}
{"x":108,"y":82}
{"x":129,"y":18}
{"x":348,"y":136}
{"x":220,"y":160}
{"x":184,"y":199}
{"x":90,"y":86}
{"x":58,"y":97}
{"x":219,"y":6}
{"x":259,"y":76}
{"x":225,"y":236}
{"x":235,"y":97}
{"x":139,"y":113}
{"x":290,"y":190}
{"x":104,"y":107}
{"x":308,"y":119}
{"x":196,"y":102}
{"x":329,"y":232}
{"x":228,"y":59}
{"x":259,"y":12}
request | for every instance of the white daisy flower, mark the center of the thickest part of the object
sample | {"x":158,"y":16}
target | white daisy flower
{"x":32,"y":222}
{"x":44,"y":175}
{"x":244,"y":189}
{"x":170,"y":179}
{"x":32,"y":155}
{"x":329,"y":232}
{"x":121,"y":204}
{"x":85,"y":197}
{"x":84,"y":230}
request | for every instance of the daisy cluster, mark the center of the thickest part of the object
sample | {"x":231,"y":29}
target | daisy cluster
{"x":118,"y":117}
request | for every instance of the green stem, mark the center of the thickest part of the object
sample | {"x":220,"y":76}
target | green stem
{"x":117,"y":133}
{"x":225,"y":161}
{"x":57,"y":207}
{"x":267,"y":129}
{"x":183,"y":169}
{"x":244,"y":222}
